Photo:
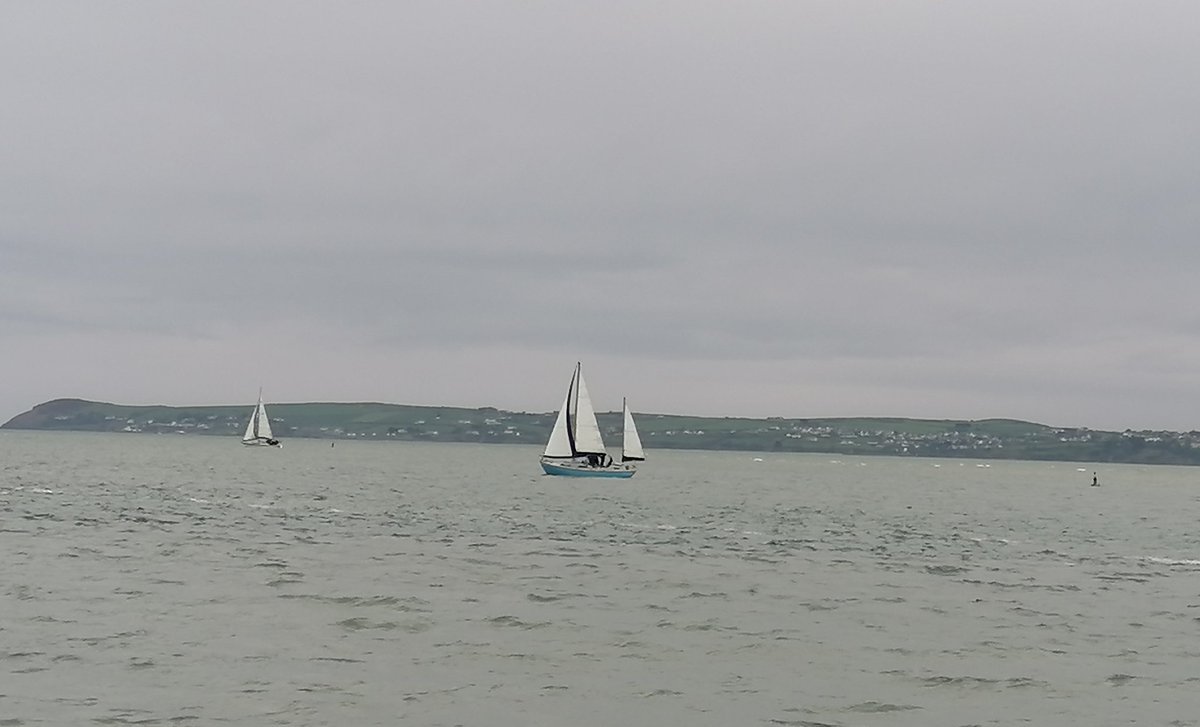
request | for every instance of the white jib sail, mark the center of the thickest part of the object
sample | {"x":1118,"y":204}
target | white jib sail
{"x":587,"y":430}
{"x":631,"y":443}
{"x":560,"y":442}
{"x":251,"y":428}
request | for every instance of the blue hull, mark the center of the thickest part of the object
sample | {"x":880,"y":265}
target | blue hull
{"x":566,"y":470}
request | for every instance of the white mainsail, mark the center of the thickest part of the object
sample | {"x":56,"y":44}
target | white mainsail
{"x":631,"y":443}
{"x":587,"y":430}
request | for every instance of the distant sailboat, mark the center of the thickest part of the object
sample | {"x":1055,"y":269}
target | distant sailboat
{"x":258,"y":429}
{"x":576,"y":448}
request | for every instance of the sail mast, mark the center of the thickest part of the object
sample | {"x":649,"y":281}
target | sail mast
{"x":573,"y":409}
{"x":258,"y":412}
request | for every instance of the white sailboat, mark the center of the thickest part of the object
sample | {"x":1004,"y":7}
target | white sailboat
{"x":576,"y":448}
{"x":258,"y":429}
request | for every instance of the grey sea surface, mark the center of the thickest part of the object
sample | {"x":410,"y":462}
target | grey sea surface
{"x":167,"y":580}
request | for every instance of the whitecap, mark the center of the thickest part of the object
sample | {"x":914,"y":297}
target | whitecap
{"x":1173,"y":561}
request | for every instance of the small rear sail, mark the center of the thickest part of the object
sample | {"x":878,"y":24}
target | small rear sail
{"x":631,"y":444}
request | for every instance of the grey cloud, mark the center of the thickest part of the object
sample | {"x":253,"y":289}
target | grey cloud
{"x":954,"y":207}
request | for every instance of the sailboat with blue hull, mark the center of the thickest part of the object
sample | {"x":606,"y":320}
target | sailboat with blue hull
{"x":576,"y":448}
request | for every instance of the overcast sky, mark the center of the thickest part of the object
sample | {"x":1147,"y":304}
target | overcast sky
{"x":799,"y":209}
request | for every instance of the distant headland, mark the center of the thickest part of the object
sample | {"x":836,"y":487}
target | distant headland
{"x":967,"y":439}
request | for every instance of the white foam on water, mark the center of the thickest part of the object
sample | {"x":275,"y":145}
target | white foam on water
{"x":1172,"y":561}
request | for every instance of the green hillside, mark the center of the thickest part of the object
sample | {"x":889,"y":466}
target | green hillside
{"x":984,"y":438}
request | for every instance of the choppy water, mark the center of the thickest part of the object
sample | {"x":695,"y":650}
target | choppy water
{"x":188,"y":580}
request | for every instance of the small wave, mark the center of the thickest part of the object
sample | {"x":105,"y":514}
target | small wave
{"x":277,"y":582}
{"x":876,"y":707}
{"x":361,"y":624}
{"x":1023,"y":586}
{"x":981,"y":682}
{"x":700,"y":594}
{"x":945,"y":570}
{"x":412,"y":603}
{"x":514,"y":621}
{"x":1119,"y":576}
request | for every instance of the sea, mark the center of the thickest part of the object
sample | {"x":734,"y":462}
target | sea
{"x":179,"y":580}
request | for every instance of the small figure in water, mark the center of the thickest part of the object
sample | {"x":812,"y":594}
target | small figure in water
{"x":1095,"y":480}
